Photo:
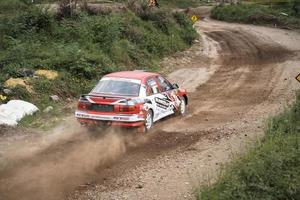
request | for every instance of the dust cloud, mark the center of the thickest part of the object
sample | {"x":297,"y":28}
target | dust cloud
{"x":51,"y":166}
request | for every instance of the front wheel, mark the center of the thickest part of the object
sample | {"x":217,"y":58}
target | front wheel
{"x":182,"y":107}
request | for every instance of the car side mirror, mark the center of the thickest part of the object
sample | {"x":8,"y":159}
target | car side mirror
{"x":175,"y":86}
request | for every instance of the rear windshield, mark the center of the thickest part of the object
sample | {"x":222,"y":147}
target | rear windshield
{"x":117,"y":87}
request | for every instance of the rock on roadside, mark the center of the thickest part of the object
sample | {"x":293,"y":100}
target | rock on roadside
{"x":48,"y":109}
{"x":54,"y":98}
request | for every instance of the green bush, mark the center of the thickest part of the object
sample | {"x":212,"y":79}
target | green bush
{"x":20,"y":92}
{"x":257,"y":14}
{"x":160,"y":18}
{"x":58,"y":86}
{"x":13,"y":5}
{"x":286,"y":123}
{"x":180,"y":3}
{"x":271,"y":170}
{"x":86,"y":45}
{"x":188,"y":33}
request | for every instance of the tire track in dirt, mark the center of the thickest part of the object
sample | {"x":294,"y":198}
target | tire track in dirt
{"x":244,"y":80}
{"x":246,"y":58}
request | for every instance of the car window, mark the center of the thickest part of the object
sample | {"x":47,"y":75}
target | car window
{"x":165,"y":85}
{"x":152,"y":87}
{"x":117,"y":87}
{"x":149,"y":90}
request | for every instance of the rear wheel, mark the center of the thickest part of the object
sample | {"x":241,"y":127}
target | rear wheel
{"x":149,"y":120}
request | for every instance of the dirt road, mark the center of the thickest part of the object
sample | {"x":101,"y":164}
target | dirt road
{"x":237,"y":76}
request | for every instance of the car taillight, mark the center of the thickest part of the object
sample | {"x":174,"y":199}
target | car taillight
{"x":83,"y":105}
{"x":127,"y":108}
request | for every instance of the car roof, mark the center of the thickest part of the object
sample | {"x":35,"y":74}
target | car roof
{"x":140,"y":75}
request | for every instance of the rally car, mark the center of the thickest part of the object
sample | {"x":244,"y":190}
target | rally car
{"x":131,"y":99}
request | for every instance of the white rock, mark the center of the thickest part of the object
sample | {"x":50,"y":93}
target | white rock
{"x":12,"y":112}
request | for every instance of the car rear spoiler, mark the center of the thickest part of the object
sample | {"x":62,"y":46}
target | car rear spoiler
{"x":92,"y":95}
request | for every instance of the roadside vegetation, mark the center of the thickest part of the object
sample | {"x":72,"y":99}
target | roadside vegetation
{"x":178,"y":3}
{"x":184,"y":3}
{"x":284,"y":14}
{"x":82,"y":47}
{"x":271,"y":170}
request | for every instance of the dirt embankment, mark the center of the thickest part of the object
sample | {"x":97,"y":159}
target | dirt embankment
{"x":237,"y":75}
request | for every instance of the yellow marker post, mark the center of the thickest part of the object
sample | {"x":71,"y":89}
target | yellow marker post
{"x":194,"y":18}
{"x":298,"y":77}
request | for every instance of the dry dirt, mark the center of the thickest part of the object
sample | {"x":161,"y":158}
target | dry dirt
{"x":236,"y":75}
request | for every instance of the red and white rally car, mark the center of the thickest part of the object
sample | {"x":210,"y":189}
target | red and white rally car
{"x":131,"y":99}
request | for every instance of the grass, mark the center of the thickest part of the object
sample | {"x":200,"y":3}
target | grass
{"x":269,"y":171}
{"x":84,"y":47}
{"x":280,"y":15}
{"x":178,"y":3}
{"x":46,"y":121}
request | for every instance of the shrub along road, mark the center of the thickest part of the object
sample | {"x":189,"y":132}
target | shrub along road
{"x":241,"y":75}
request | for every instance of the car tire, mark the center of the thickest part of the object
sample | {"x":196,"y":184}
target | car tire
{"x":182,"y":107}
{"x":148,"y":120}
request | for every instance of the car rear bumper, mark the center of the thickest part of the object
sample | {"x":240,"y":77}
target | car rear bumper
{"x":92,"y":122}
{"x":133,"y":120}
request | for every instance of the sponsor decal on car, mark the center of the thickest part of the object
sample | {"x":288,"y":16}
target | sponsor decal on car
{"x":162,"y":103}
{"x":121,"y":118}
